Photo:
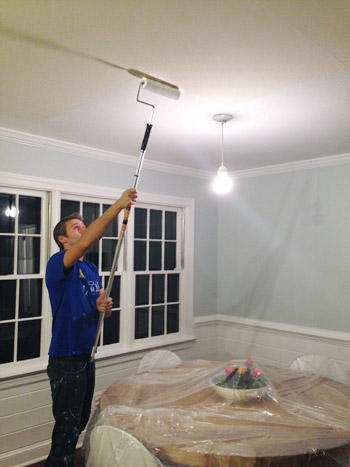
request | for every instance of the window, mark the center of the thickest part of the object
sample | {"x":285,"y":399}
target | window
{"x":22,"y":258}
{"x":152,"y":286}
{"x":101,"y":255}
{"x":157,"y":266}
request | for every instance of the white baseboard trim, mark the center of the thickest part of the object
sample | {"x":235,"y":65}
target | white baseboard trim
{"x":35,"y":453}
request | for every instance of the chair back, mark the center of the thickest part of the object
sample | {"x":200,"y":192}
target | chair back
{"x":158,"y":359}
{"x":113,"y":447}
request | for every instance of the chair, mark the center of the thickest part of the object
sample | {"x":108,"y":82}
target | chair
{"x":158,"y":359}
{"x":321,"y":366}
{"x":112,"y":447}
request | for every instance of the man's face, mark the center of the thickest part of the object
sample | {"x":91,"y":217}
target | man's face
{"x":74,"y":230}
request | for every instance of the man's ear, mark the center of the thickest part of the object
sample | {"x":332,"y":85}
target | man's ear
{"x":62,"y":239}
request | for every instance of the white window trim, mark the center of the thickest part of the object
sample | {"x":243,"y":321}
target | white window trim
{"x":58,"y":187}
{"x":27,"y":366}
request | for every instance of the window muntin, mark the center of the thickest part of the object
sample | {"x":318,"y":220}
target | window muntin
{"x":22,"y":251}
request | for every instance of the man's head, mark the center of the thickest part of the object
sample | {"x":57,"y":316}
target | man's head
{"x":61,"y":228}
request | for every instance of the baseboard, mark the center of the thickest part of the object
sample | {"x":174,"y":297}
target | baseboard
{"x":30,"y":454}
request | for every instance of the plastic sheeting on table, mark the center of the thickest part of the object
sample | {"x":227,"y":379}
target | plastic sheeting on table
{"x":176,"y":412}
{"x":321,"y":366}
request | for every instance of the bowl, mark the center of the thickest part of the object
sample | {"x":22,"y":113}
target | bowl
{"x":238,"y":395}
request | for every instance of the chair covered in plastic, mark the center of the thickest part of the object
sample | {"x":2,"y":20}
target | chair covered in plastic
{"x":112,"y":447}
{"x":321,"y":366}
{"x":158,"y":359}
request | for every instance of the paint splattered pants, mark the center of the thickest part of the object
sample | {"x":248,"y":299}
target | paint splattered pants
{"x":72,"y":381}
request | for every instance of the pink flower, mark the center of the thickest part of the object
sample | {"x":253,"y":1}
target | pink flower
{"x":229,"y":370}
{"x":257,"y":373}
{"x":249,"y":362}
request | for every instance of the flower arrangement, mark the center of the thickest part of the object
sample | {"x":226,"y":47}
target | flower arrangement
{"x":242,"y":376}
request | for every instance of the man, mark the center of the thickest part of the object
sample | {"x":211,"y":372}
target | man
{"x":76,"y":298}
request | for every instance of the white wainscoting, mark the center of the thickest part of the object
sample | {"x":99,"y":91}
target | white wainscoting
{"x":25,"y":404}
{"x":277,"y":343}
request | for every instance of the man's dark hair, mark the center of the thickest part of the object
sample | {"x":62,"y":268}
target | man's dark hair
{"x":60,"y":228}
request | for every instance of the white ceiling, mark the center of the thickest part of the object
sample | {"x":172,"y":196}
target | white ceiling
{"x":281,"y":67}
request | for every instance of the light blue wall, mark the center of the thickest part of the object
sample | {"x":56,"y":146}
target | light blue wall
{"x":40,"y":162}
{"x":284,"y":249}
{"x":282,"y":252}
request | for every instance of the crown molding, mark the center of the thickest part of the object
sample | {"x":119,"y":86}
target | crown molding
{"x":44,"y":142}
{"x":307,"y":164}
{"x":29,"y":139}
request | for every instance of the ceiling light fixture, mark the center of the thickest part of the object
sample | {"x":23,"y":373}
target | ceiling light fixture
{"x":222,"y":184}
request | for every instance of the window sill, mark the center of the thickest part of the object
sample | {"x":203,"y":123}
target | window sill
{"x":37,"y":368}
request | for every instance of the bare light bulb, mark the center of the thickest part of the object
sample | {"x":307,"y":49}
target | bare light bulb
{"x":222,"y":183}
{"x":11,"y":212}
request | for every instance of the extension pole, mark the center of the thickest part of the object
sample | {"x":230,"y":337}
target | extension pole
{"x":125,"y":222}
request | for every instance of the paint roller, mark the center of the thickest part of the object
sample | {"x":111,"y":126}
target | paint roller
{"x":149,"y":83}
{"x":163,"y":88}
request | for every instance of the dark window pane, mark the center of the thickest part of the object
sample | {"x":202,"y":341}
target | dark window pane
{"x":7,"y":335}
{"x":7,"y":300}
{"x":7,"y":213}
{"x":141,"y":323}
{"x":139,"y":255}
{"x":29,"y":215}
{"x":173,"y":288}
{"x":155,"y":256}
{"x":29,"y":339}
{"x":68,"y":207}
{"x":91,"y":211}
{"x":111,"y":328}
{"x":170,"y":255}
{"x":115,"y":291}
{"x":6,"y":255}
{"x":113,"y":228}
{"x":172,"y":319}
{"x":108,"y":251}
{"x":155,"y":224}
{"x":92,"y":254}
{"x":142,"y":290}
{"x":30,"y":298}
{"x":170,"y":225}
{"x":28,"y":255}
{"x":157,"y":320}
{"x":158,"y":288}
{"x":140,"y":224}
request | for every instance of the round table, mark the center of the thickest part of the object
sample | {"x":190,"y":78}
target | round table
{"x":179,"y":416}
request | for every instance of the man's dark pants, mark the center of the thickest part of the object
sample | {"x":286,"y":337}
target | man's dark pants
{"x":72,"y":381}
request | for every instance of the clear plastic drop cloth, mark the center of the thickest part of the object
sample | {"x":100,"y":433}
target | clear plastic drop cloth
{"x":236,"y":413}
{"x":322,"y":366}
{"x":158,"y":359}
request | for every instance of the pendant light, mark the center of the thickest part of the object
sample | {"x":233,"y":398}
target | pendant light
{"x":222,"y":184}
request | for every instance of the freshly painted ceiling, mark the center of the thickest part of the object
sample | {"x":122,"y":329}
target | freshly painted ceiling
{"x":281,"y":67}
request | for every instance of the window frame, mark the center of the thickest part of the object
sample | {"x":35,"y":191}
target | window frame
{"x":26,"y":366}
{"x":54,"y":190}
{"x":180,"y":269}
